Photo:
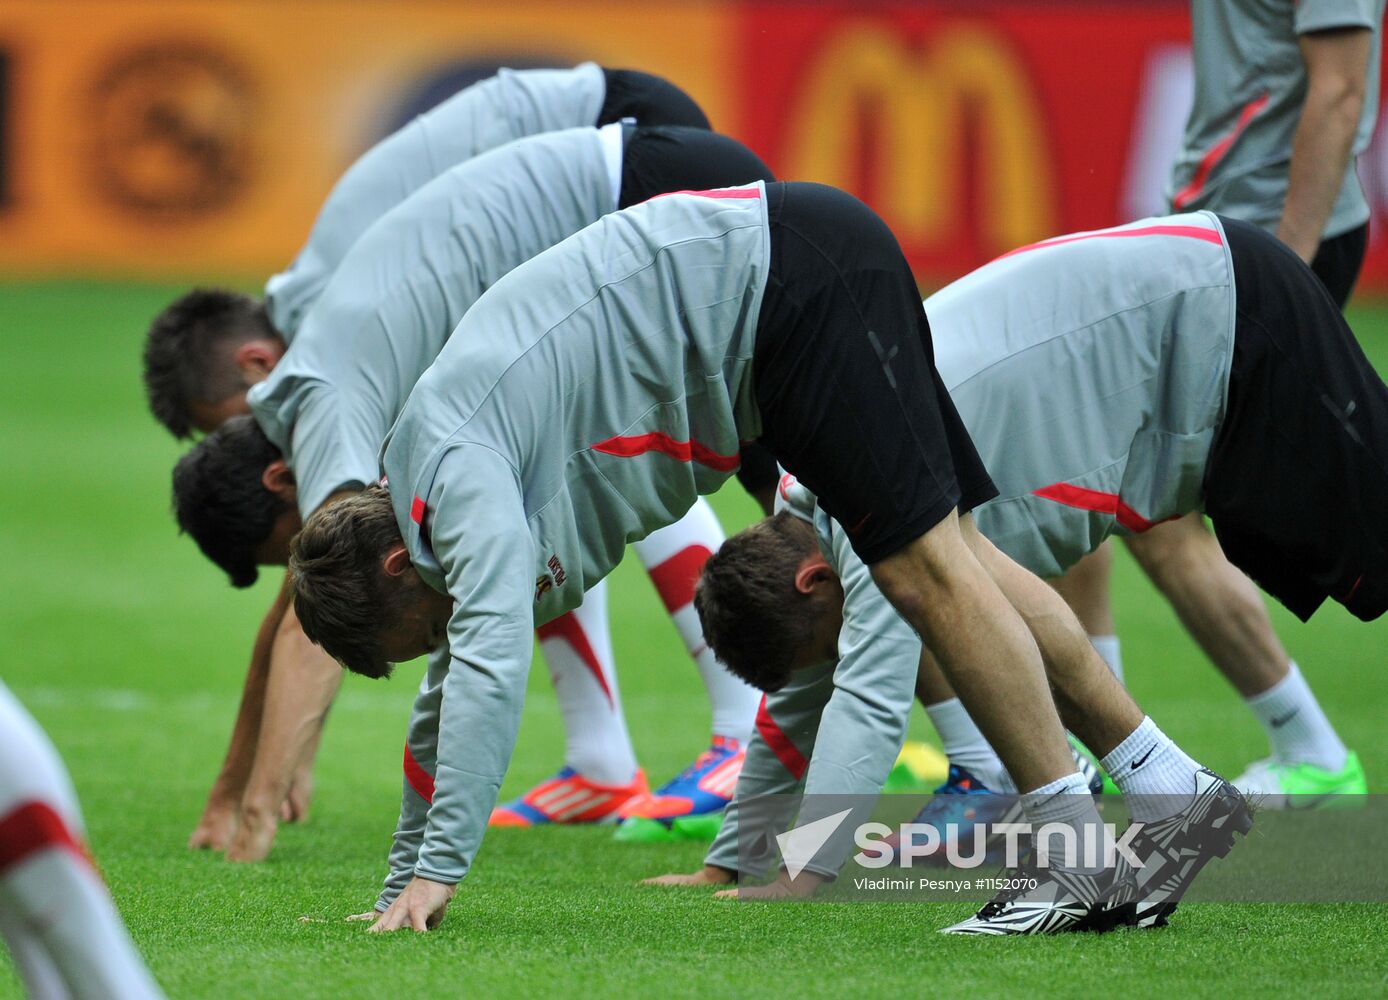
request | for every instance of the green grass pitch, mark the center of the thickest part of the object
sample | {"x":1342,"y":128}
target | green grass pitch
{"x":130,"y":649}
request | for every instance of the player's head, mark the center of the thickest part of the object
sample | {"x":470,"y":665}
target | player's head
{"x":770,"y":603}
{"x":355,"y":590}
{"x":202,"y":353}
{"x":234,"y":494}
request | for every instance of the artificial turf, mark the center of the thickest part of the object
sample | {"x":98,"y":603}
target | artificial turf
{"x":130,"y":649}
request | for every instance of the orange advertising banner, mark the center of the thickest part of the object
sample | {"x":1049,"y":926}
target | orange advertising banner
{"x":183,"y":137}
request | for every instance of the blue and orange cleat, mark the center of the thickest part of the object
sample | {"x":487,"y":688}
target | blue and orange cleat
{"x":689,"y":806}
{"x":568,"y":797}
{"x":957,"y":807}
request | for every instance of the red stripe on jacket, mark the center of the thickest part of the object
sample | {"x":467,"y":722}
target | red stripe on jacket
{"x":1217,"y":152}
{"x":420,"y":780}
{"x":1189,"y":232}
{"x":786,"y":752}
{"x":632,"y":446}
{"x":1099,"y":502}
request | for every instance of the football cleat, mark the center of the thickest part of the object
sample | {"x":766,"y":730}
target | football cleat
{"x":690,"y":805}
{"x":960,"y":805}
{"x":569,"y":797}
{"x":1046,"y":901}
{"x":1271,"y":784}
{"x":1173,"y":852}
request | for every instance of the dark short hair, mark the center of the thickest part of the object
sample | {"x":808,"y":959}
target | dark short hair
{"x":220,"y":499}
{"x":341,"y":594}
{"x":186,"y":352}
{"x":753,"y":616}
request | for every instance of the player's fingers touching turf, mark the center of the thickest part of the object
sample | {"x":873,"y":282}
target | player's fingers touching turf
{"x":421,"y":907}
{"x":368,"y":915}
{"x":708,"y":875}
{"x":215,"y":830}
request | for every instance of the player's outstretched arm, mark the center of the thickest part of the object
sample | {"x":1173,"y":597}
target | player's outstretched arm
{"x":1337,"y":64}
{"x":219,"y":817}
{"x":770,"y":780}
{"x":303,"y":681}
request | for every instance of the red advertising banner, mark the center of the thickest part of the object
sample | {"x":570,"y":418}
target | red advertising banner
{"x":169,"y":136}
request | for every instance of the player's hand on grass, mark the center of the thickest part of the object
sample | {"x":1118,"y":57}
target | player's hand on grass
{"x":255,"y":835}
{"x":783,"y":888}
{"x":420,"y":907}
{"x":708,"y":875}
{"x":368,"y":915}
{"x":216,"y":828}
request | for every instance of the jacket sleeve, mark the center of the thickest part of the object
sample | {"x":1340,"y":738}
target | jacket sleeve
{"x":478,"y":532}
{"x":767,"y":790}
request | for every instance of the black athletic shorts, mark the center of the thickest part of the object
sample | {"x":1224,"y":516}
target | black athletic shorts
{"x":651,"y":100}
{"x":845,"y":376}
{"x":658,"y":159}
{"x":1297,"y":481}
{"x":1338,"y":261}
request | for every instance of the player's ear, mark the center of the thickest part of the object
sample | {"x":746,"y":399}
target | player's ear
{"x":255,"y":359}
{"x":397,"y":561}
{"x":278,"y":478}
{"x":812,"y":573}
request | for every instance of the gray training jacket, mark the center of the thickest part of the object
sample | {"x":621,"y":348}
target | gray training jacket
{"x":587,"y":399}
{"x":1091,"y":371}
{"x":509,"y":106}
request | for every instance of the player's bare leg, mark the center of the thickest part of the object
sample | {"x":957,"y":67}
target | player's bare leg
{"x":220,"y":815}
{"x":1224,"y":611}
{"x":1089,"y":698}
{"x":986,"y":650}
{"x":1085,"y":588}
{"x":303,"y":681}
{"x":1217,"y":603}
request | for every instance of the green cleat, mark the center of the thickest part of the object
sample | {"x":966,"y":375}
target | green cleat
{"x":639,"y":830}
{"x":1271,"y":784}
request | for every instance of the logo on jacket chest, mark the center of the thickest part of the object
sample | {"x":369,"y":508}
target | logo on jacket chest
{"x":547,"y":581}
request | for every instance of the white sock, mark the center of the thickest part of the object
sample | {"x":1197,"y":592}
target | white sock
{"x":1067,"y":800}
{"x":1296,"y":725}
{"x":966,"y":746}
{"x":64,"y":913}
{"x":578,"y":650}
{"x":1156,"y":777}
{"x":1110,"y":651}
{"x":674,"y":556}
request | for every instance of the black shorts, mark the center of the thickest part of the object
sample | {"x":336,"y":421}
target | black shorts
{"x":651,"y":100}
{"x":1297,"y":481}
{"x":1338,"y":261}
{"x":658,"y":159}
{"x":845,"y":378}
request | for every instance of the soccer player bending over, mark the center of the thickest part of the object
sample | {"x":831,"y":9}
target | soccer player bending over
{"x":588,"y":399}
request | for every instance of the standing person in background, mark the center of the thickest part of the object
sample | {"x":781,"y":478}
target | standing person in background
{"x":1286,"y":96}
